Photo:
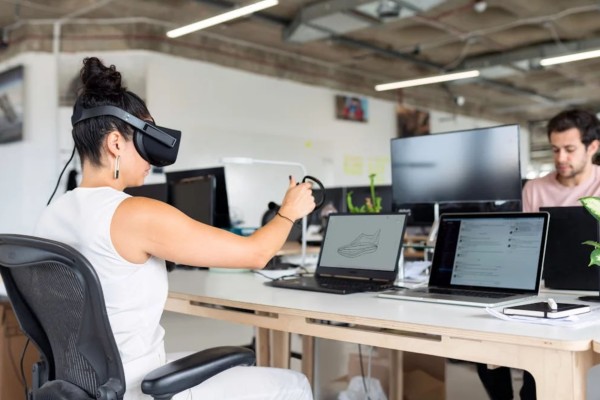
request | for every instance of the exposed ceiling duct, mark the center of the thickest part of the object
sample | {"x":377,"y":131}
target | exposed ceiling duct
{"x":338,"y":17}
{"x":353,"y":45}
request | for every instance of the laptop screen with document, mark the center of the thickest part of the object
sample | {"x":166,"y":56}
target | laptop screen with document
{"x":488,"y":252}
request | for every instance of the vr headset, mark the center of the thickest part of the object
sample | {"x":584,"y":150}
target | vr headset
{"x":156,"y":144}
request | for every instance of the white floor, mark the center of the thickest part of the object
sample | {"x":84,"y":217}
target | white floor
{"x":186,"y":333}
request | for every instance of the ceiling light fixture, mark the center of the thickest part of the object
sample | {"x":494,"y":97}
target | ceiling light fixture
{"x":427,"y":81}
{"x":480,"y":6}
{"x":388,"y":9}
{"x":219,"y":19}
{"x":570,"y":58}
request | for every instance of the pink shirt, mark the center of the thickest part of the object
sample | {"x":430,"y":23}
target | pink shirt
{"x":547,"y":192}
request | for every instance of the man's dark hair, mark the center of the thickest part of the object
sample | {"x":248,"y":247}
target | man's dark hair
{"x":585,"y":121}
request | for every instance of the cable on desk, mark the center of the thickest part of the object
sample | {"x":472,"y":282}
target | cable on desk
{"x":265,"y":276}
{"x":362,"y":370}
{"x":297,"y":274}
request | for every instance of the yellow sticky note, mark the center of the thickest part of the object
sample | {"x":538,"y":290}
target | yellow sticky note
{"x":353,"y":165}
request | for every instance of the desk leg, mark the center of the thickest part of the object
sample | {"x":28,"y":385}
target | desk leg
{"x":396,"y":375}
{"x":280,"y":356}
{"x":263,"y":347}
{"x":308,"y":358}
{"x":562,"y":375}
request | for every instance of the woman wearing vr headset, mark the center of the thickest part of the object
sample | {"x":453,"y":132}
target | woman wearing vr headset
{"x":128,"y":238}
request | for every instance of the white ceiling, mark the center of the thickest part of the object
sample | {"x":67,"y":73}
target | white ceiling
{"x":345,"y":44}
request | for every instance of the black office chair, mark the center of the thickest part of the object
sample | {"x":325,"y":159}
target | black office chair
{"x":58,"y":300}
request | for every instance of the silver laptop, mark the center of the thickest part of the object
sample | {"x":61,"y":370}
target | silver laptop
{"x":484,"y":260}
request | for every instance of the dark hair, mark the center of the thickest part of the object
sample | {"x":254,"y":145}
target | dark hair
{"x":102,"y":85}
{"x":585,"y":121}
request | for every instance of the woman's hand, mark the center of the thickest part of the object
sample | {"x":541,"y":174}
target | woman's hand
{"x":298,"y":200}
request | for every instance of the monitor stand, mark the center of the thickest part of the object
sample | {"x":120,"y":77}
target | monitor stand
{"x":434,"y":227}
{"x":591,"y":298}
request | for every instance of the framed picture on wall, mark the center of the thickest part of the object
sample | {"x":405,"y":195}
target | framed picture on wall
{"x":11,"y":105}
{"x":351,"y":108}
{"x":411,"y":121}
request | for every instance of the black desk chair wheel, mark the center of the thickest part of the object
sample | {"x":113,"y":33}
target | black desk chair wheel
{"x":58,"y":300}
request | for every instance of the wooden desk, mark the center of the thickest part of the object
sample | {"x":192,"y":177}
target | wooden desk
{"x":557,"y":357}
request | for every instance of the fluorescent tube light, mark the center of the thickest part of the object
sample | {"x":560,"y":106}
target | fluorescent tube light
{"x":570,"y":58}
{"x":427,"y":80}
{"x":219,"y":19}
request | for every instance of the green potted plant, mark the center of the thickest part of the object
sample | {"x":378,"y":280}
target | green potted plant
{"x":372,"y":204}
{"x":592,"y":205}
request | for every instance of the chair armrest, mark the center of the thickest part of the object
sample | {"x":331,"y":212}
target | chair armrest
{"x":61,"y":390}
{"x":194,"y":369}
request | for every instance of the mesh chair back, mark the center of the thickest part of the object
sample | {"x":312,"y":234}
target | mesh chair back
{"x":58,"y":301}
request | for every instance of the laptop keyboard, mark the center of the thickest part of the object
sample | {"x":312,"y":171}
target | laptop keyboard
{"x":353,"y":285}
{"x":465,"y":292}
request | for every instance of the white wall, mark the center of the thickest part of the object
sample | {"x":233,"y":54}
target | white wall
{"x":222,"y":112}
{"x":28,"y":167}
{"x":225,"y":112}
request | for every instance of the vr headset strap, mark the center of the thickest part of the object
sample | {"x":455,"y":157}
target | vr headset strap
{"x":145,"y":127}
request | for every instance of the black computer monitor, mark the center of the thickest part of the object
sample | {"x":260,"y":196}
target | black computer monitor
{"x":221,"y":217}
{"x":457,"y":168}
{"x":156,"y":191}
{"x":195,"y":197}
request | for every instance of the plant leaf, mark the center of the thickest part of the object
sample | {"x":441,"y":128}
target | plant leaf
{"x":592,"y":204}
{"x":351,"y":207}
{"x":595,"y":258}
{"x":592,"y":243}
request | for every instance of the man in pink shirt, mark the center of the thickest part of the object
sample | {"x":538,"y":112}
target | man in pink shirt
{"x":574,"y":136}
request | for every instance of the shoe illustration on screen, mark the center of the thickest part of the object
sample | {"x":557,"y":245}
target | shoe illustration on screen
{"x":363,"y":244}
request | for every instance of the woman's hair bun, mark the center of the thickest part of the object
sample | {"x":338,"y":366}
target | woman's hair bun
{"x":98,"y":78}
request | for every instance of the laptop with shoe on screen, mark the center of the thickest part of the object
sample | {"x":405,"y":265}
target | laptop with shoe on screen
{"x":359,"y":253}
{"x":484,"y":260}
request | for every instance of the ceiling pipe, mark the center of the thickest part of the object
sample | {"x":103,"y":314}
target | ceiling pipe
{"x":56,"y":31}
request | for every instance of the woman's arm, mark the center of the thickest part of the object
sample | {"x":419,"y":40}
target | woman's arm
{"x":142,"y":227}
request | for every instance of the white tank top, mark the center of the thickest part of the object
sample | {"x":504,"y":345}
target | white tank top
{"x":135,"y":294}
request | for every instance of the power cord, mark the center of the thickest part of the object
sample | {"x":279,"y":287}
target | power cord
{"x":302,"y":271}
{"x":61,"y":174}
{"x":265,"y":276}
{"x":22,"y":362}
{"x":13,"y":363}
{"x":362,"y":370}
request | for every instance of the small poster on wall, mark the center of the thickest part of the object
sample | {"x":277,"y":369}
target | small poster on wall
{"x":11,"y":105}
{"x":411,"y":121}
{"x":351,"y":108}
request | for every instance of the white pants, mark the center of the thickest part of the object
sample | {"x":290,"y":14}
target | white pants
{"x":237,"y":383}
{"x":251,"y":383}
